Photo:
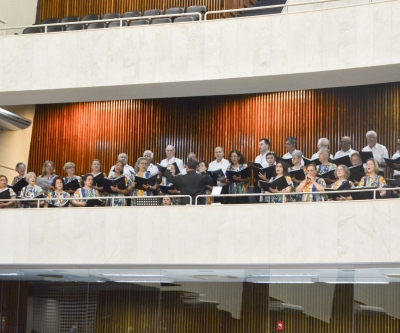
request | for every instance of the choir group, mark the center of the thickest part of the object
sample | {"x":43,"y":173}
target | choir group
{"x":290,"y":178}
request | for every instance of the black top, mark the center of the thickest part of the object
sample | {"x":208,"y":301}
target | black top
{"x":192,"y":183}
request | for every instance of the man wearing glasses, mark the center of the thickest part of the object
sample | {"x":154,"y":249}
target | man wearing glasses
{"x":345,"y":145}
{"x":378,"y":151}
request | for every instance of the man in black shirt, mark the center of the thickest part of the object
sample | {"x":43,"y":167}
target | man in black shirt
{"x":192,"y":183}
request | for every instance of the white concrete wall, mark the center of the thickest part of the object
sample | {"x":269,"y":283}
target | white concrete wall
{"x":17,"y":13}
{"x":15,"y":145}
{"x":331,"y":232}
{"x":326,"y":48}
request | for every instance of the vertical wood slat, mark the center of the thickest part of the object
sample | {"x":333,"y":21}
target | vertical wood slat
{"x":83,"y":131}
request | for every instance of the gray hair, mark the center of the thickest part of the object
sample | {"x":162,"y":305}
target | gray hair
{"x":297,"y":153}
{"x":346,"y":170}
{"x":138,"y":161}
{"x":320,"y":141}
{"x":325,"y":151}
{"x":68,"y":165}
{"x":371,"y":132}
{"x":19,"y":164}
{"x":29,"y":175}
{"x":148,"y":152}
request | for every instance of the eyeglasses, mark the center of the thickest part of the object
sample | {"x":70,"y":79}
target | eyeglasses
{"x":371,"y":139}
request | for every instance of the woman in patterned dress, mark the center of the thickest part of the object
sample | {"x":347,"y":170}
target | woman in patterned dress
{"x":58,"y":197}
{"x":87,"y":191}
{"x":3,"y":193}
{"x":312,"y":184}
{"x":325,"y":165}
{"x":342,"y":173}
{"x":117,"y":192}
{"x":281,"y":170}
{"x":242,"y":185}
{"x":48,"y":173}
{"x":372,"y":179}
{"x":69,"y":168}
{"x":32,"y":190}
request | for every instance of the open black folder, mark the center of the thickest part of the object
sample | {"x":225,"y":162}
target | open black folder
{"x":245,"y":173}
{"x":216,"y":175}
{"x":140,"y":181}
{"x":329,"y":175}
{"x":5,"y":195}
{"x":345,"y":160}
{"x":119,"y":182}
{"x":390,"y":163}
{"x":94,"y":202}
{"x":363,"y":195}
{"x":298,"y":174}
{"x":165,"y":189}
{"x":19,"y":185}
{"x":366,"y":155}
{"x":331,"y":192}
{"x":72,"y":185}
{"x":163,"y":168}
{"x":356,"y":173}
{"x":30,"y":201}
{"x":279,"y":184}
{"x":98,"y":180}
{"x":393,"y":182}
{"x":269,"y":172}
{"x":288,"y":161}
{"x":316,"y":161}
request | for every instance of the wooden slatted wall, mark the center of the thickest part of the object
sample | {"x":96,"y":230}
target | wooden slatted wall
{"x":79,"y":132}
{"x":62,"y":8}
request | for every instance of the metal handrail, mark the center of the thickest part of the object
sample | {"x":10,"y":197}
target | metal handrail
{"x":286,"y":5}
{"x":298,"y":193}
{"x":39,"y":200}
{"x":121,"y":19}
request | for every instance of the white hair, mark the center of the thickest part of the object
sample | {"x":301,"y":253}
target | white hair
{"x":320,"y":141}
{"x":148,"y":152}
{"x":371,"y":132}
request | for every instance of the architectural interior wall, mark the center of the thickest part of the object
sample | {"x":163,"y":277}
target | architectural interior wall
{"x":332,"y":232}
{"x":15,"y":145}
{"x":17,"y":13}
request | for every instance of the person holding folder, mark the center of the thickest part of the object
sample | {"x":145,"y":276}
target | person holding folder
{"x":69,"y":168}
{"x":325,"y":165}
{"x":396,"y":155}
{"x":87,"y":191}
{"x":6,"y":193}
{"x":342,"y":173}
{"x":165,"y":182}
{"x":119,"y":191}
{"x":281,"y":170}
{"x":311,"y":185}
{"x":239,"y":185}
{"x":32,"y":190}
{"x":48,"y":173}
{"x":373,"y":179}
{"x":379,"y":151}
{"x":21,"y":169}
{"x":98,"y":176}
{"x":141,"y":171}
{"x":58,"y":197}
{"x":202,"y":169}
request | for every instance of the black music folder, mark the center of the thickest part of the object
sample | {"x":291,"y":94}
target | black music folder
{"x":316,"y":161}
{"x":163,"y":168}
{"x":5,"y":195}
{"x":216,"y":175}
{"x":164,"y":189}
{"x":287,"y":160}
{"x":269,"y":172}
{"x":390,"y":163}
{"x":329,"y":174}
{"x":94,"y":202}
{"x":245,"y":173}
{"x":119,"y":182}
{"x":342,"y":187}
{"x":357,"y":172}
{"x":345,"y":160}
{"x":363,"y":195}
{"x":140,"y":181}
{"x":393,"y":182}
{"x":366,"y":155}
{"x":298,"y":174}
{"x":19,"y":185}
{"x":98,"y":180}
{"x":30,"y":201}
{"x":279,"y":183}
{"x":72,"y":185}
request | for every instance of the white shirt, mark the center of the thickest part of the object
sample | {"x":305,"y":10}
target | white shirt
{"x":153,"y":169}
{"x":379,"y":152}
{"x":316,"y":156}
{"x":289,"y":155}
{"x":261,"y":159}
{"x":128,"y":171}
{"x":396,"y":155}
{"x":178,"y":161}
{"x":342,"y":153}
{"x":223,"y":165}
